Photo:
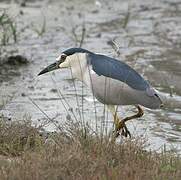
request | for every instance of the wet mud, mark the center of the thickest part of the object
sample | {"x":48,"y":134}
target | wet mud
{"x":148,"y":35}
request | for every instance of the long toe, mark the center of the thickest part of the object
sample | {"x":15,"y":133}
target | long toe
{"x":122,"y":129}
{"x":125,"y":132}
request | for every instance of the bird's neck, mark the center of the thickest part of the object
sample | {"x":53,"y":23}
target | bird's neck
{"x":78,"y":66}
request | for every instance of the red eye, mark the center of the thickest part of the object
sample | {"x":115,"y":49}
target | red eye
{"x":63,"y":57}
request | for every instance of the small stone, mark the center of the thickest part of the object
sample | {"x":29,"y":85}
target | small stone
{"x":53,"y":90}
{"x":68,"y":117}
{"x":23,"y":94}
{"x":17,"y":60}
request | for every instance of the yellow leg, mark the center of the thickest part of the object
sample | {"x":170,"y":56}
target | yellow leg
{"x":113,"y":110}
{"x":117,"y":122}
{"x":120,"y":124}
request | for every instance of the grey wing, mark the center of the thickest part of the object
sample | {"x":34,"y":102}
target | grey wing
{"x":115,"y":69}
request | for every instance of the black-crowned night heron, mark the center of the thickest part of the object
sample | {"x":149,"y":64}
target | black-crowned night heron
{"x":112,"y":82}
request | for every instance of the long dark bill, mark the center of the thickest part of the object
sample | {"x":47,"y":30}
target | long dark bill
{"x":49,"y":68}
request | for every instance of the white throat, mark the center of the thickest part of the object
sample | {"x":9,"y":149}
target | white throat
{"x":78,"y":66}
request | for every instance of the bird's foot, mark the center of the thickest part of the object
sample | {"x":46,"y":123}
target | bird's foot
{"x":122,"y":129}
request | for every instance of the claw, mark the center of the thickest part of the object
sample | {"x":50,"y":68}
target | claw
{"x":125,"y":133}
{"x":122,"y":130}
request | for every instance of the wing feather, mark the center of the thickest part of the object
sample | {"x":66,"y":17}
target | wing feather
{"x":112,"y":68}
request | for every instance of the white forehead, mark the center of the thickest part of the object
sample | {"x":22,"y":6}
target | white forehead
{"x":58,"y":58}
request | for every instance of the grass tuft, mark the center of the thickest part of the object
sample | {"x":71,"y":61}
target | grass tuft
{"x":8,"y":29}
{"x":17,"y":137}
{"x":40,"y":29}
{"x":75,"y":152}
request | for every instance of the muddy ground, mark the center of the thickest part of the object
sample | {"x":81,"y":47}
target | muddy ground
{"x":148,"y":34}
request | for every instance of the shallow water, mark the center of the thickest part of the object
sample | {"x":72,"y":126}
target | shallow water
{"x":149,"y":36}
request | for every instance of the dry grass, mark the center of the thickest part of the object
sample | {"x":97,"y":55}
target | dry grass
{"x":16,"y":138}
{"x":76,"y":153}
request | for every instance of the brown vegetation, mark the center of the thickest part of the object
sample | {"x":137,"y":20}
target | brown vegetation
{"x":76,"y":153}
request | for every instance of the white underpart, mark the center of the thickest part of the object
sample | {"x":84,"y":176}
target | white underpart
{"x":92,"y":71}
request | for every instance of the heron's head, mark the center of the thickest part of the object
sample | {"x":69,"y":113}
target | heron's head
{"x":74,"y":58}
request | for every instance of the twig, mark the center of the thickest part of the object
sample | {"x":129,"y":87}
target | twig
{"x":63,"y":98}
{"x":83,"y":35}
{"x":43,"y":112}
